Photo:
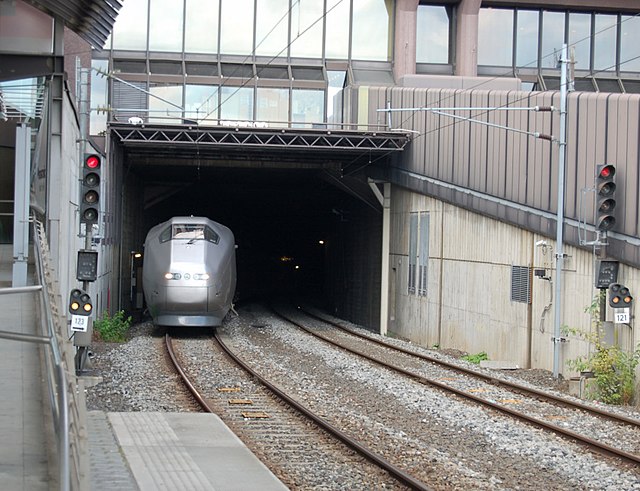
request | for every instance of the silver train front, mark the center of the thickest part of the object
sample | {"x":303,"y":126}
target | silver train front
{"x":189,"y":272}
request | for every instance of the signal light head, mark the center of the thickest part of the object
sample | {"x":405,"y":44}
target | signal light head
{"x":606,"y":171}
{"x":606,"y":189}
{"x":90,"y":189}
{"x":619,"y":296}
{"x":90,"y":215}
{"x":92,"y":179}
{"x":92,"y":161}
{"x":606,"y":203}
{"x":91,"y":197}
{"x":80,"y":302}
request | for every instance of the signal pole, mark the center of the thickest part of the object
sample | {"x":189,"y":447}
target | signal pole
{"x":562,"y":147}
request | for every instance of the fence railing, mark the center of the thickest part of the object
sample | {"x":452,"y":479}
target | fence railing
{"x":66,"y":391}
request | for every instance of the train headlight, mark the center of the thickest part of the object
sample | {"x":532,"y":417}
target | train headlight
{"x":201,"y":276}
{"x":172,"y":276}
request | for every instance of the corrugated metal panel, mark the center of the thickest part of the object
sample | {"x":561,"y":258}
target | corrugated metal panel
{"x":90,"y":19}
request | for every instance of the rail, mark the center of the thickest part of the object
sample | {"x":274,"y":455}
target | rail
{"x":65,"y":391}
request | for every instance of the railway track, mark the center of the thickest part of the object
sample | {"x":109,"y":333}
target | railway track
{"x":268,"y":422}
{"x":539,"y":408}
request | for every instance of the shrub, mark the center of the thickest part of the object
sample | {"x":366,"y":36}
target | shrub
{"x":613,"y":369}
{"x":112,"y":329}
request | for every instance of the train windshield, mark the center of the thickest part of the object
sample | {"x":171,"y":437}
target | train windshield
{"x":190,"y":232}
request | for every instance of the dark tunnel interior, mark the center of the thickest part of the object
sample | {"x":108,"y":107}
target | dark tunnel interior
{"x":283,"y":219}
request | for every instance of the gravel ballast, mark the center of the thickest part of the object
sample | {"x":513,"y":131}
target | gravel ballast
{"x":456,"y":444}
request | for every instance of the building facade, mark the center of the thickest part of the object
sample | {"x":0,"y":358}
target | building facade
{"x":472,"y":206}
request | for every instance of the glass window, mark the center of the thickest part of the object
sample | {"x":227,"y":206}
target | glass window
{"x":165,"y":25}
{"x":630,"y":44}
{"x":236,"y":27}
{"x":130,"y":28}
{"x":201,"y":102}
{"x":307,"y":73}
{"x":236,"y":103}
{"x":165,"y":104}
{"x":604,"y":42}
{"x":99,"y":93}
{"x":580,"y":39}
{"x":495,"y":37}
{"x":527,"y":38}
{"x":210,"y":235}
{"x":192,"y":232}
{"x":201,"y":26}
{"x":165,"y":235}
{"x":272,"y":72}
{"x":337,"y":19}
{"x":371,"y":29}
{"x":432,"y":36}
{"x":165,"y":67}
{"x":306,"y":29}
{"x":336,"y":85}
{"x":552,"y":38}
{"x":25,"y":29}
{"x":272,"y":21}
{"x":307,"y":106}
{"x":273,"y":106}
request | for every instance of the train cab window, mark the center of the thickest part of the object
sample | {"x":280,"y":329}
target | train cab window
{"x":211,"y":236}
{"x":165,"y":235}
{"x":190,"y":232}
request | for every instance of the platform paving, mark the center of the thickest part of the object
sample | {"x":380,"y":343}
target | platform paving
{"x":23,"y":442}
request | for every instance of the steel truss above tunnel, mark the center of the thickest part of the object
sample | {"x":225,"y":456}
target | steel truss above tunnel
{"x":226,"y":141}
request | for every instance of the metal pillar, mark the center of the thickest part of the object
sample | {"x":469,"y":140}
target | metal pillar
{"x":385,"y":201}
{"x":562,"y":142}
{"x":21,"y":205}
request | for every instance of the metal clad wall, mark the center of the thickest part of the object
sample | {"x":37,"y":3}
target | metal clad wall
{"x":517,"y":167}
{"x":630,"y":173}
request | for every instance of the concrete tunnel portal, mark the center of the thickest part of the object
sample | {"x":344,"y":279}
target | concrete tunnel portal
{"x":304,"y":217}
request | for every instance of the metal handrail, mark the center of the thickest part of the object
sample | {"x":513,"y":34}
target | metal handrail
{"x":63,"y":386}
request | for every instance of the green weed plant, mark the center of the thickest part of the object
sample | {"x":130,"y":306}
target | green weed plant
{"x":613,"y":369}
{"x":477,"y":358}
{"x":113,"y":329}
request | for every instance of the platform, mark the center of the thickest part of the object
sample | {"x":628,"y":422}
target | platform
{"x":173,"y":451}
{"x":127,"y":451}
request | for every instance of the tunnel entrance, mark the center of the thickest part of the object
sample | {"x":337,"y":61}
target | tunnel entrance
{"x":304,"y":216}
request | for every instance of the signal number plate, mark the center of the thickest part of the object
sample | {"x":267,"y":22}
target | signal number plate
{"x":622,"y":316}
{"x":79,"y":323}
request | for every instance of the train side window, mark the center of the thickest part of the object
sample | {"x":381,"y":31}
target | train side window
{"x":165,"y":235}
{"x":211,"y":236}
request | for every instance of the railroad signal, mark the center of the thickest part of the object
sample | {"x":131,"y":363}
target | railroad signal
{"x":90,"y":189}
{"x":606,"y":203}
{"x":80,"y":303}
{"x":619,"y":296}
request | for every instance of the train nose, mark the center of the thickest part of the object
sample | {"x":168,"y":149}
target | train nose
{"x":187,"y":298}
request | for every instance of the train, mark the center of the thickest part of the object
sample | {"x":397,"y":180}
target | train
{"x":189,"y":272}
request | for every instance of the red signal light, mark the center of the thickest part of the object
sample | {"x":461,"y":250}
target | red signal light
{"x":92,"y":162}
